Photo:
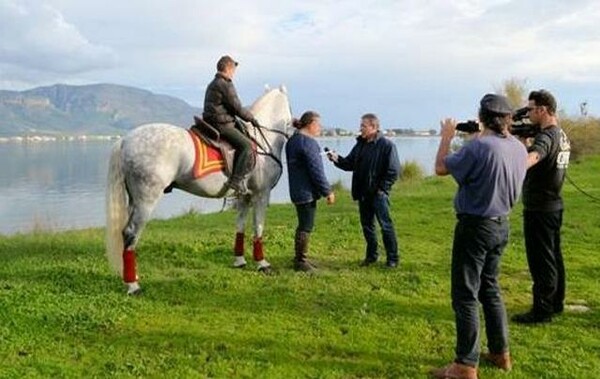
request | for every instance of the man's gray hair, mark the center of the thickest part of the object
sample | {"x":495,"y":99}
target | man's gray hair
{"x":372,"y":118}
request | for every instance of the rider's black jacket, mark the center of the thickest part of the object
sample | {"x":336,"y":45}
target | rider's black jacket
{"x":222,"y":104}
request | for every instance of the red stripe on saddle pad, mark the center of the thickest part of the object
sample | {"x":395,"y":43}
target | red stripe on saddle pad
{"x":208,"y":159}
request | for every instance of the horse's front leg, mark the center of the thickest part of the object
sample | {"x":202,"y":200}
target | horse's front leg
{"x":260,"y":211}
{"x":238,"y":248}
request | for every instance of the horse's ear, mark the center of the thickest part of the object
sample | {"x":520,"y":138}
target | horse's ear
{"x":283,"y":89}
{"x":267,"y":88}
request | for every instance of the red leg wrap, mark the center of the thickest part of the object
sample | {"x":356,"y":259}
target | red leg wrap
{"x":258,"y":249}
{"x":238,"y":249}
{"x":129,"y":275}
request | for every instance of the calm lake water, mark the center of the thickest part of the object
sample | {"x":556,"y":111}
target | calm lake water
{"x":61,"y":185}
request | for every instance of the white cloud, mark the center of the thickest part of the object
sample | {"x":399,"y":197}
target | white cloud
{"x":38,"y":38}
{"x":383,"y":54}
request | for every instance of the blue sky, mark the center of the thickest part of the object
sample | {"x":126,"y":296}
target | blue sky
{"x":411,"y":62}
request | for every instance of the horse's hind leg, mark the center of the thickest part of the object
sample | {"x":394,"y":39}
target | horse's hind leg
{"x":138,"y":217}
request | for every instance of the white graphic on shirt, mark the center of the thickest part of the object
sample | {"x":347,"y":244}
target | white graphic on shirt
{"x":562,"y":160}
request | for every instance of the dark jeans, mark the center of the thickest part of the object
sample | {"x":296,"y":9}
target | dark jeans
{"x":545,"y":260}
{"x":476,"y":252}
{"x":242,"y":146}
{"x":378,"y":206}
{"x":306,"y":216}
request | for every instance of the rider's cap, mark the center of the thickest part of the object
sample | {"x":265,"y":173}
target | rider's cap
{"x":225,"y":61}
{"x":496,"y":103}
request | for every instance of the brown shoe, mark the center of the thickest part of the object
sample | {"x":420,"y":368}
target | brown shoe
{"x":304,"y":266}
{"x":500,"y":360}
{"x":455,"y":371}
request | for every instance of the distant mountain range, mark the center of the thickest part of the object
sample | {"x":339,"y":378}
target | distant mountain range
{"x":98,"y":109}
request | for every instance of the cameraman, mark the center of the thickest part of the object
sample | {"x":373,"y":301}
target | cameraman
{"x":489,"y":171}
{"x":547,"y":160}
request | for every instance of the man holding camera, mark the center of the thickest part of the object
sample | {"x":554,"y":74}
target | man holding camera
{"x":489,"y":171}
{"x":547,"y":160}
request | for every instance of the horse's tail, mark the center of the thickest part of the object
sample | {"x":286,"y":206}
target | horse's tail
{"x":116,"y":209}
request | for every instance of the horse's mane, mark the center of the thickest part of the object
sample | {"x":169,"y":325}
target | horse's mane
{"x":266,"y":97}
{"x":273,"y":100}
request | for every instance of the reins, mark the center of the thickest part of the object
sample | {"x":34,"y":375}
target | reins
{"x":268,"y":152}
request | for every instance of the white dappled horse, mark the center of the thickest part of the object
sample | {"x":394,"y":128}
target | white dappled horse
{"x":152,"y":156}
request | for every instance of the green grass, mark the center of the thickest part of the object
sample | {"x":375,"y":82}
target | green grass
{"x":64,"y":314}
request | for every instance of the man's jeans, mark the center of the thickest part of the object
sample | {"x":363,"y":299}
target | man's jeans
{"x":476,"y":252}
{"x":378,"y":206}
{"x":545,"y":260}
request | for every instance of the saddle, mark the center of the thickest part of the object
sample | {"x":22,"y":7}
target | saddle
{"x":211,"y":136}
{"x":212,"y":152}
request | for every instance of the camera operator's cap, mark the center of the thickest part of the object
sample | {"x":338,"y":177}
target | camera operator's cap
{"x":225,"y":61}
{"x":496,"y":103}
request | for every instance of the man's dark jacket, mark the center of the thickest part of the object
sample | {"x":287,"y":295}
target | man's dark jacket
{"x":222,"y":104}
{"x":375,"y":165}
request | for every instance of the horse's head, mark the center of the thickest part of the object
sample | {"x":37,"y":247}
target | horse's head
{"x":273,"y":110}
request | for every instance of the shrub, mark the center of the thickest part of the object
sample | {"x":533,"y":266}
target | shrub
{"x":411,"y":170}
{"x":584,"y":134}
{"x":337,"y":186}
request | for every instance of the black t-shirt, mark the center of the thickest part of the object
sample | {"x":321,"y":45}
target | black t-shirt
{"x":544,"y":180}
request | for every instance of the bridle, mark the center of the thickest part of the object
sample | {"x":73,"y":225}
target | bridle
{"x":268,"y":151}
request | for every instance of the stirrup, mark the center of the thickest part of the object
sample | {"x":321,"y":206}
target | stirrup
{"x":239,"y":186}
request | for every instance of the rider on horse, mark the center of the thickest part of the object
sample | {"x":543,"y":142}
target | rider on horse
{"x":221,"y":106}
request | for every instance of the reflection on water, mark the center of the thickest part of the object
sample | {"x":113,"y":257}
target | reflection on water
{"x":61,"y":185}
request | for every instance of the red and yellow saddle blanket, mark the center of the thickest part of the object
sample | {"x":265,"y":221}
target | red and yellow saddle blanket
{"x":208,"y":158}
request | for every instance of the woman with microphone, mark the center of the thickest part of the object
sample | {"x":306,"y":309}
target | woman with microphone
{"x":307,"y":183}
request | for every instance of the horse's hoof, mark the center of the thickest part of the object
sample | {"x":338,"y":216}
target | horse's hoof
{"x":266,"y":270}
{"x":136,"y":292}
{"x":134,"y":289}
{"x":239,"y":262}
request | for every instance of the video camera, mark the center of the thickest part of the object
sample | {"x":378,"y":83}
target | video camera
{"x":469,"y":127}
{"x":520,"y":126}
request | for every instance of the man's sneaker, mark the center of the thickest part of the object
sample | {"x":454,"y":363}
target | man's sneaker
{"x":367,"y":262}
{"x":558,"y":309}
{"x":531,"y":318}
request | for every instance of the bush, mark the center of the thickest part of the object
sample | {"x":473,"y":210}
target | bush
{"x":584,"y":134}
{"x":412,"y":171}
{"x":337,"y":186}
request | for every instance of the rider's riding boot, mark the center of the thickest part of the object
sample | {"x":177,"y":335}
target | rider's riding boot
{"x":238,"y":185}
{"x":301,"y":250}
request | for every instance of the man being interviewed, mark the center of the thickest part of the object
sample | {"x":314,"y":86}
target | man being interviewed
{"x":375,"y":168}
{"x":489,"y":171}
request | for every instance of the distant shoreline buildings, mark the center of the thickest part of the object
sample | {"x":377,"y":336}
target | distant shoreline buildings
{"x":332,"y":132}
{"x":397,"y":132}
{"x":42,"y":138}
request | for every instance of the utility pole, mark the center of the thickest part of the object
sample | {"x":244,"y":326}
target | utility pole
{"x":583,"y":108}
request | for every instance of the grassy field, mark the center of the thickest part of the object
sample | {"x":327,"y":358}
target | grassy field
{"x":64,"y":314}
